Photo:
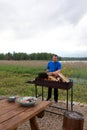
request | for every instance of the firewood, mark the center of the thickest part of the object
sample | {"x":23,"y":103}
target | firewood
{"x":65,"y":79}
{"x":52,"y":78}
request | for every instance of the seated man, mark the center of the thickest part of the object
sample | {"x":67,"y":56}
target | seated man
{"x":53,"y":68}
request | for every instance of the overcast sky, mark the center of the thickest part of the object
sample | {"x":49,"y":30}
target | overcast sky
{"x":53,"y":26}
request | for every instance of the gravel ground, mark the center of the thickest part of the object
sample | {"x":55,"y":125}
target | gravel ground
{"x":54,"y":122}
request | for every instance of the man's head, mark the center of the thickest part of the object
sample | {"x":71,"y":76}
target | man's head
{"x":55,"y":58}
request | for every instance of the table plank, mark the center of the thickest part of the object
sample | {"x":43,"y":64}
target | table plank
{"x":6,"y":107}
{"x":1,"y":127}
{"x":11,"y":114}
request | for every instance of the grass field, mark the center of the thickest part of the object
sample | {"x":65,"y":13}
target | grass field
{"x":14,"y":74}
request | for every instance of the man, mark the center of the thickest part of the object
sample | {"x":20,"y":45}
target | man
{"x":53,"y":68}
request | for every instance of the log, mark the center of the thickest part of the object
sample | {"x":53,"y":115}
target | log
{"x":65,"y":79}
{"x":73,"y":121}
{"x":52,"y":78}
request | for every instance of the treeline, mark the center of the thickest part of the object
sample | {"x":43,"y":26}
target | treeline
{"x":35,"y":56}
{"x":25,"y":56}
{"x":73,"y":58}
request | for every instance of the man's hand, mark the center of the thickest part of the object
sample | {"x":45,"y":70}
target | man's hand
{"x":50,"y":73}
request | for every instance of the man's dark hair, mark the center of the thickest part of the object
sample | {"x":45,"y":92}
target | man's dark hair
{"x":55,"y":55}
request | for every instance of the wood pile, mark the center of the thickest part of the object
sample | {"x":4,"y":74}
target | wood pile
{"x":59,"y":78}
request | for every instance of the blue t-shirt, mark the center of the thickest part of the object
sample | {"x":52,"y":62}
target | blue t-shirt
{"x":53,"y":66}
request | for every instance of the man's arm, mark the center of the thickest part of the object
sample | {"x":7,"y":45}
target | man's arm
{"x":56,"y":72}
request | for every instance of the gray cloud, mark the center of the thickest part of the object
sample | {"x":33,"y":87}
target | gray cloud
{"x":78,"y":54}
{"x":73,"y":11}
{"x":29,"y":17}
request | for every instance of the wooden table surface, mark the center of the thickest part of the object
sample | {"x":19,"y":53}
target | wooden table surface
{"x":12,"y":114}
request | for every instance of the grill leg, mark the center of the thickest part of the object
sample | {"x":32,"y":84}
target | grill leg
{"x":42,"y":93}
{"x":67,"y":101}
{"x":72,"y":98}
{"x":36,"y":91}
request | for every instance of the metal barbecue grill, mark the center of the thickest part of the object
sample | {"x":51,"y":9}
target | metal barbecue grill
{"x":43,"y":82}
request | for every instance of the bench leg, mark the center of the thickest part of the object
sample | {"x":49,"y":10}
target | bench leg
{"x":34,"y":124}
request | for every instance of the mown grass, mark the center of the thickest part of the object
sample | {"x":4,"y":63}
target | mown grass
{"x":14,"y":74}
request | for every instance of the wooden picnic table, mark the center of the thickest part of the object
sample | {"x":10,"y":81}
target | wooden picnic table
{"x":12,"y":114}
